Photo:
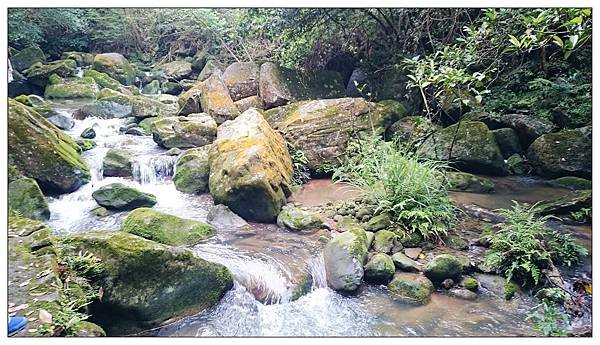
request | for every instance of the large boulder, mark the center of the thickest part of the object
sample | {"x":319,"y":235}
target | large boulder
{"x":192,"y":171}
{"x":106,"y":108}
{"x":272,"y":89}
{"x":143,"y":107}
{"x":25,"y":196}
{"x":117,"y":162}
{"x":177,"y":70}
{"x":571,"y":202}
{"x":466,"y":182}
{"x":27,"y":57}
{"x":250,"y":168}
{"x":321,"y":129}
{"x":43,"y":152}
{"x":191,"y":101}
{"x":121,"y":197}
{"x":82,"y":59}
{"x":566,"y":153}
{"x":145,"y":283}
{"x":442,"y":267}
{"x":103,"y":79}
{"x":116,"y":66}
{"x":411,"y":130}
{"x":215,"y":100}
{"x":184,"y":132}
{"x":527,"y":127}
{"x":165,"y":228}
{"x":241,"y":78}
{"x":296,"y":219}
{"x":571,"y":182}
{"x":71,"y":88}
{"x":469,"y":146}
{"x":412,"y":288}
{"x":380,"y":269}
{"x":344,"y":258}
{"x":39,"y":74}
{"x":508,"y":141}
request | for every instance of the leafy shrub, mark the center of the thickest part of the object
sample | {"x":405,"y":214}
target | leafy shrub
{"x":299,"y":162}
{"x":524,"y":246}
{"x":549,"y":320}
{"x":413,"y":190}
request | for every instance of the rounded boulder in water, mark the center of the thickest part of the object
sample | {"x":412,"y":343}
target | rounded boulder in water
{"x":88,"y":133}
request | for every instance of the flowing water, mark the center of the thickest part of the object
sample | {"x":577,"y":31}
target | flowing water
{"x":270,"y":263}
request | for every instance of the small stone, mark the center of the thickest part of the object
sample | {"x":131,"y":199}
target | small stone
{"x":378,"y":222}
{"x":463,"y":294}
{"x":88,"y":133}
{"x":173,"y":152}
{"x":404,"y":263}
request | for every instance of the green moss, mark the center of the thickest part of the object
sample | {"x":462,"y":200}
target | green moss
{"x":103,"y":79}
{"x":443,"y":266}
{"x":296,"y":219}
{"x":86,"y":144}
{"x":571,"y":182}
{"x":380,"y":269}
{"x":24,"y":99}
{"x":469,"y":183}
{"x":121,"y":197}
{"x":25,"y":196}
{"x":470,"y":283}
{"x":510,"y":289}
{"x":72,"y":88}
{"x":165,"y":228}
{"x":411,"y":288}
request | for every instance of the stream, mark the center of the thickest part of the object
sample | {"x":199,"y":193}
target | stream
{"x":268,"y":262}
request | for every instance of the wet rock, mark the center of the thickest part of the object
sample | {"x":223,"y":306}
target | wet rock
{"x":248,"y":102}
{"x":528,"y":127}
{"x":181,"y":284}
{"x":177,"y":70}
{"x":566,"y":153}
{"x":344,"y":257}
{"x":413,"y":253}
{"x":105,"y":108}
{"x":31,"y":100}
{"x":85,"y":144}
{"x":27,"y":57}
{"x":152,"y":88}
{"x":412,"y":288}
{"x":171,"y":88}
{"x":190,"y":101}
{"x":517,"y":165}
{"x":321,"y":129}
{"x":146,"y":124}
{"x":43,"y":152}
{"x":250,"y":168}
{"x":221,"y":216}
{"x":103,"y":80}
{"x":447,"y":283}
{"x":165,"y":228}
{"x":384,"y":241}
{"x":470,"y":283}
{"x":62,"y":121}
{"x":143,"y":107}
{"x":404,"y":263}
{"x":463,"y":294}
{"x":456,"y":242}
{"x":241,"y":78}
{"x":173,"y":152}
{"x":442,"y":267}
{"x":70,"y":88}
{"x":116,"y":66}
{"x":411,"y":130}
{"x":25,"y":196}
{"x":469,"y":145}
{"x":192,"y":171}
{"x":117,"y":162}
{"x":370,"y":238}
{"x":88,"y":133}
{"x":82,"y":59}
{"x":508,"y":141}
{"x":215,"y":100}
{"x":121,"y":197}
{"x":184,"y":132}
{"x":378,"y":222}
{"x":466,"y":182}
{"x":573,"y":201}
{"x":137,"y":131}
{"x":273,"y":91}
{"x":571,"y":182}
{"x":296,"y":219}
{"x":380,"y":269}
{"x":39,"y":74}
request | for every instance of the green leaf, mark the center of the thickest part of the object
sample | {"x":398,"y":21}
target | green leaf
{"x":515,"y":41}
{"x":558,"y":41}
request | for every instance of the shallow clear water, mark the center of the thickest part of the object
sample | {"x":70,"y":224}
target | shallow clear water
{"x":268,"y":262}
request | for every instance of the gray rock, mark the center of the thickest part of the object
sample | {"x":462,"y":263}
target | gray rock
{"x":404,"y":263}
{"x":88,"y":133}
{"x":222,"y":217}
{"x":62,"y":121}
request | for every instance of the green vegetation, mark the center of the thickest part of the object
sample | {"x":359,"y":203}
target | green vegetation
{"x":547,"y":317}
{"x":299,"y":162}
{"x":524,"y":246}
{"x":413,"y":190}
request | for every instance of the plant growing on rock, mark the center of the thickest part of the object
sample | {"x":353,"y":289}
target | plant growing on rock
{"x":412,"y":190}
{"x":299,"y":162}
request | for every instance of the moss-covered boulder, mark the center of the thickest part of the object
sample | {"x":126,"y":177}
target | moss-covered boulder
{"x":146,"y":124}
{"x":216,"y":101}
{"x":442,"y":267}
{"x":241,"y":78}
{"x":184,"y":132}
{"x":145,"y":283}
{"x":25,"y":196}
{"x":151,"y":88}
{"x":566,"y":153}
{"x":527,"y":127}
{"x":171,"y":88}
{"x":571,"y":202}
{"x":192,"y":171}
{"x":30,"y":100}
{"x":466,"y":182}
{"x":344,"y":258}
{"x":250,"y":168}
{"x":190,"y":102}
{"x":404,"y":263}
{"x":272,"y":89}
{"x":143,"y":107}
{"x":39,"y":74}
{"x":384,"y":241}
{"x":380,"y":269}
{"x":177,"y":70}
{"x":470,"y":283}
{"x":105,"y":108}
{"x":116,"y":66}
{"x":103,"y":79}
{"x":571,"y":182}
{"x":411,"y":130}
{"x":517,"y":165}
{"x":508,"y":141}
{"x":212,"y":67}
{"x":43,"y":152}
{"x":469,"y":146}
{"x":121,"y":197}
{"x":82,"y":59}
{"x":322,"y":128}
{"x":165,"y":228}
{"x":27,"y":57}
{"x":378,"y":222}
{"x":85,"y":144}
{"x":117,"y":162}
{"x":248,"y":102}
{"x":412,"y":288}
{"x":72,"y":88}
{"x":296,"y":219}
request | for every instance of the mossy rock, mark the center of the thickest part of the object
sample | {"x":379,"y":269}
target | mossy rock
{"x":456,"y":242}
{"x":404,"y":263}
{"x":344,"y":258}
{"x":39,"y":74}
{"x":378,"y":222}
{"x":184,"y":132}
{"x":566,"y":153}
{"x":296,"y":219}
{"x":117,"y":162}
{"x":466,"y":182}
{"x":177,"y":70}
{"x":73,"y":88}
{"x":82,"y":59}
{"x":510,"y":289}
{"x":442,"y":267}
{"x":508,"y":141}
{"x":143,"y":107}
{"x":571,"y":182}
{"x":470,"y":283}
{"x":412,"y":288}
{"x":166,"y":229}
{"x":146,"y":283}
{"x":411,"y":130}
{"x":216,"y":101}
{"x":152,"y":88}
{"x":192,"y":171}
{"x":116,"y":66}
{"x":43,"y":152}
{"x":380,"y":269}
{"x":25,"y":196}
{"x":23,"y":59}
{"x":517,"y":165}
{"x":121,"y":197}
{"x":171,"y":88}
{"x":571,"y":202}
{"x":103,"y":80}
{"x":146,"y":124}
{"x":384,"y":241}
{"x":273,"y":91}
{"x":241,"y":78}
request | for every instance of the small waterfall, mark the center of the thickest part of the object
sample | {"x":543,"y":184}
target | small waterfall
{"x":149,"y":169}
{"x":79,"y":72}
{"x":316,"y":268}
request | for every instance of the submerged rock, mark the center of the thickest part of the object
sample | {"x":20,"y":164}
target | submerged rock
{"x":166,"y":229}
{"x":184,"y":132}
{"x":380,"y":269}
{"x":469,"y":183}
{"x":344,"y":257}
{"x":117,"y":162}
{"x":250,"y":168}
{"x":43,"y":152}
{"x":566,"y":153}
{"x":121,"y":197}
{"x":146,"y":283}
{"x":241,"y":78}
{"x":116,"y":66}
{"x":192,"y":171}
{"x":25,"y":196}
{"x":443,"y":266}
{"x":412,"y":288}
{"x":296,"y":219}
